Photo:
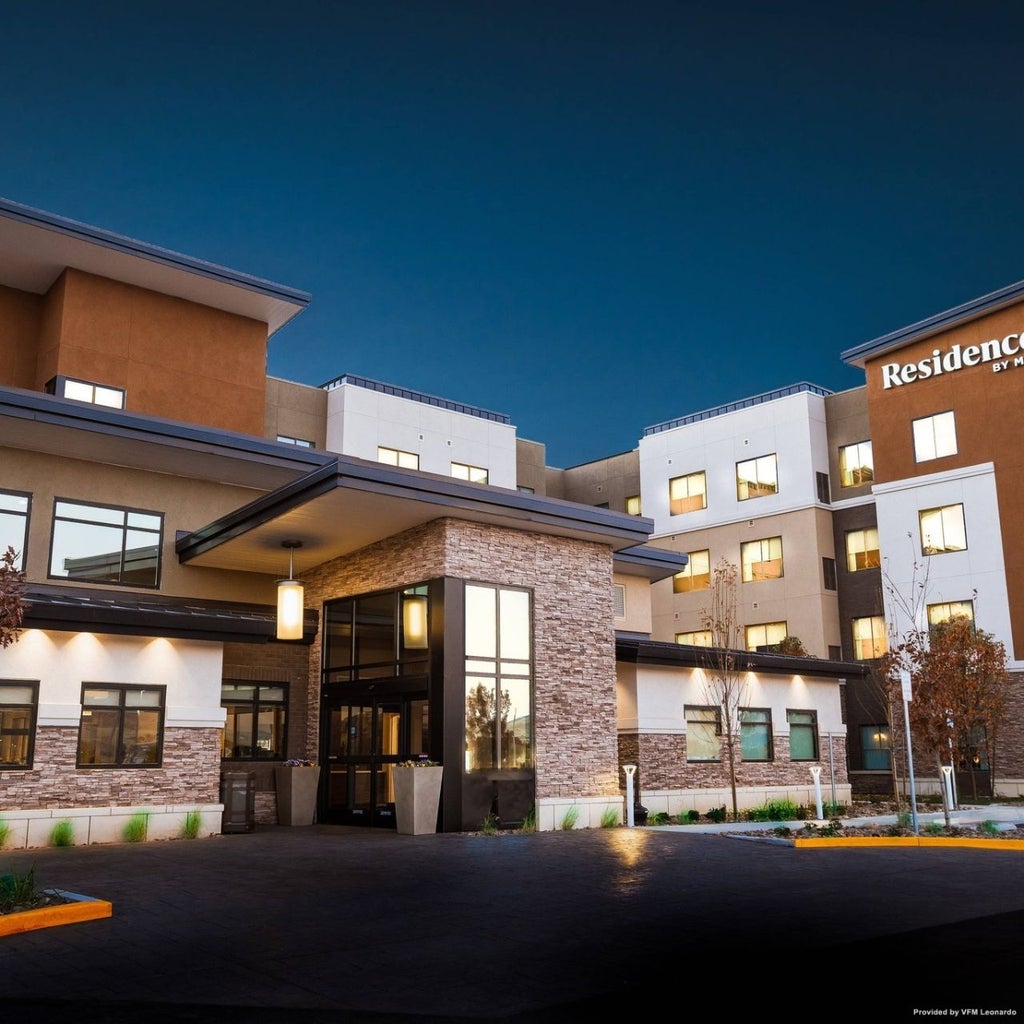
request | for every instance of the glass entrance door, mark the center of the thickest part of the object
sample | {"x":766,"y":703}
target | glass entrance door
{"x":364,"y":740}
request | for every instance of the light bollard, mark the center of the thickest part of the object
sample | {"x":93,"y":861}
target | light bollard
{"x":816,"y":775}
{"x":630,"y":770}
{"x":947,"y":784}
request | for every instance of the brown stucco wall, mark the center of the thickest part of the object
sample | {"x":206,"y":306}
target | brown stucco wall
{"x":20,"y":325}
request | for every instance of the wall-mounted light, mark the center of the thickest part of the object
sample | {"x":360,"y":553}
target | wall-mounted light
{"x":290,"y":598}
{"x":414,"y":621}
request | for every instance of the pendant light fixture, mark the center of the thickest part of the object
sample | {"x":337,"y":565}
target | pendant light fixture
{"x":290,"y":598}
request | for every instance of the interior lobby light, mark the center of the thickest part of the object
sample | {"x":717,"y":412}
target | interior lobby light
{"x":290,"y":599}
{"x":414,"y":621}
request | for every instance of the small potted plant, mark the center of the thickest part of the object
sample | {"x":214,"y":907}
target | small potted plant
{"x":417,"y":796}
{"x":296,"y":782}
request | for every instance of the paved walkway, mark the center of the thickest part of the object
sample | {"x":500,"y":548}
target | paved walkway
{"x":328,"y":925}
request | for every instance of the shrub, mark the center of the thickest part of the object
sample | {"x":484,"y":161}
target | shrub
{"x":191,"y":825}
{"x":658,"y":818}
{"x":717,"y":814}
{"x":530,"y":821}
{"x":570,"y":818}
{"x":688,"y":817}
{"x":610,"y":818}
{"x":986,"y":828}
{"x":774,"y":810}
{"x":17,"y":892}
{"x":136,"y":828}
{"x":490,"y":825}
{"x":63,"y":834}
{"x":834,"y":810}
{"x":782,"y":830}
{"x":5,"y":833}
{"x":934,"y":828}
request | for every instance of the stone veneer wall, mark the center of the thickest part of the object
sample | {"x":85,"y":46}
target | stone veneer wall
{"x":574,"y":647}
{"x":275,"y":663}
{"x":190,"y":773}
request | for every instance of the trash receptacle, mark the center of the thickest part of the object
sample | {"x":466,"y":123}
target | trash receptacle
{"x":238,"y":795}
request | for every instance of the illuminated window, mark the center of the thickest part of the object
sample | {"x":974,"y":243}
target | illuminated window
{"x":765,"y":635}
{"x":876,"y":748}
{"x":869,"y":637}
{"x":105,"y":544}
{"x":14,"y":509}
{"x":703,"y":729}
{"x":862,"y":549}
{"x":698,"y":638}
{"x":756,"y":734}
{"x":934,"y":437}
{"x":394,"y":457}
{"x":756,"y":478}
{"x":761,"y":559}
{"x":696,"y":575}
{"x":19,"y":701}
{"x":803,"y":735}
{"x":299,"y":442}
{"x":256,"y":716}
{"x":856,"y":464}
{"x":474,"y":474}
{"x":943,"y":530}
{"x":633,"y":505}
{"x":121,"y":727}
{"x":943,"y":611}
{"x":687,"y":493}
{"x":86,"y":391}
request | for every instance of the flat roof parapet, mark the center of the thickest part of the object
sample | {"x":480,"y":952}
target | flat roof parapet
{"x":416,"y":396}
{"x":743,"y":403}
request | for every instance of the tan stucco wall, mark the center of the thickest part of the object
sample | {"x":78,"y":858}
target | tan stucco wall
{"x":295,"y":410}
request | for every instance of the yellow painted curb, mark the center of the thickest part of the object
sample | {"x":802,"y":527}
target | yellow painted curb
{"x":82,"y":908}
{"x":974,"y":844}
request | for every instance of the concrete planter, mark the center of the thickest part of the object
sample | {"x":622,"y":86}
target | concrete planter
{"x":80,"y":908}
{"x":417,"y":798}
{"x":296,"y":793}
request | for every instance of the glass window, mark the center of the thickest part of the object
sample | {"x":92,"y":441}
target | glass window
{"x":105,"y":544}
{"x":756,"y":478}
{"x":828,"y":573}
{"x":523,"y":489}
{"x":499,"y":676}
{"x":474,"y":474}
{"x":122,"y":726}
{"x":876,"y":748}
{"x":86,"y":391}
{"x":824,"y":491}
{"x":14,"y":510}
{"x":697,"y":638}
{"x":934,"y":437}
{"x":870,"y":639}
{"x":756,"y":734}
{"x":696,"y":575}
{"x":703,"y":729}
{"x":255,"y":726}
{"x":299,"y":442}
{"x":856,"y":464}
{"x":633,"y":505}
{"x":862,"y":549}
{"x":943,"y":611}
{"x":765,"y":635}
{"x":19,"y":701}
{"x":943,"y":530}
{"x":395,"y":457}
{"x":761,"y":559}
{"x":687,"y":493}
{"x":803,"y":735}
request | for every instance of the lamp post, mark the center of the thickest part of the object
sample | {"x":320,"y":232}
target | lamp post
{"x":907,"y":698}
{"x":630,"y":770}
{"x":816,"y":775}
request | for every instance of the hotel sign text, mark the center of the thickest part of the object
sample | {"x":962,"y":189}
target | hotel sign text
{"x":1002,"y":354}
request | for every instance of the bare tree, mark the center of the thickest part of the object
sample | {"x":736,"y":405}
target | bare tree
{"x":724,"y":670}
{"x":12,"y":598}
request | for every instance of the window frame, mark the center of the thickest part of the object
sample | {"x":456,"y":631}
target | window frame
{"x":298,"y":442}
{"x":765,"y":625}
{"x":633,"y":505}
{"x":58,"y":387}
{"x":829,"y":573}
{"x":869,"y":751}
{"x":748,"y":546}
{"x":706,"y":633}
{"x":123,"y":689}
{"x":716,"y":721}
{"x":677,"y":502}
{"x":125,"y":529}
{"x":874,"y":639}
{"x":853,"y":476}
{"x":851,"y":556}
{"x":766,"y":724}
{"x":941,"y":511}
{"x":756,"y":487}
{"x":922,"y":439}
{"x":684,"y":581}
{"x":19,"y":551}
{"x":811,"y":725}
{"x":402,"y":459}
{"x":965,"y":609}
{"x":30,"y":731}
{"x":254,"y":707}
{"x":470,"y":471}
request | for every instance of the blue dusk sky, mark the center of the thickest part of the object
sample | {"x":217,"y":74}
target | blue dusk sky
{"x":591,"y":216}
